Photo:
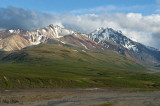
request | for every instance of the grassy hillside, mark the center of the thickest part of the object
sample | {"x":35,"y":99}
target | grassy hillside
{"x":57,"y":66}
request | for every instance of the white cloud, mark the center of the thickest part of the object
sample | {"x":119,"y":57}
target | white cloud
{"x":144,"y":29}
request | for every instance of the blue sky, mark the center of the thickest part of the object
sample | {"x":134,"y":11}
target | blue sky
{"x":145,"y":7}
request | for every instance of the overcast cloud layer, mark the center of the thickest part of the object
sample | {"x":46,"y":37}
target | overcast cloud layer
{"x":144,"y":29}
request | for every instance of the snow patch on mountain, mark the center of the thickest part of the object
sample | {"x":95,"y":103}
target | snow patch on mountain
{"x":11,"y":31}
{"x":63,"y":42}
{"x":84,"y":45}
{"x":44,"y":30}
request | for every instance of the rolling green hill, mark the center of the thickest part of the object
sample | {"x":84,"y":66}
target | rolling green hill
{"x":58,"y":66}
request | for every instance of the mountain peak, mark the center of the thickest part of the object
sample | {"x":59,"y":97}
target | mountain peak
{"x":117,"y":37}
{"x":55,"y":26}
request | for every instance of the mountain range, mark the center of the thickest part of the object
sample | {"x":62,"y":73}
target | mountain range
{"x":101,"y":39}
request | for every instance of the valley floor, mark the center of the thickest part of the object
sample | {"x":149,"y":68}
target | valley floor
{"x":79,"y":97}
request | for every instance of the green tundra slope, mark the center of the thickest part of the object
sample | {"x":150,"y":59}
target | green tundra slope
{"x":58,"y":66}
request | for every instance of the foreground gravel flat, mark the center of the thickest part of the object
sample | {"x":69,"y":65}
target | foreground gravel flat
{"x":78,"y":97}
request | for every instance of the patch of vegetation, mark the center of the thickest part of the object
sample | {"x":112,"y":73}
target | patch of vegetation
{"x":56,"y":66}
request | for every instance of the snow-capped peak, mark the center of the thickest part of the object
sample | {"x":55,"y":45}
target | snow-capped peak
{"x":101,"y":34}
{"x":50,"y":32}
